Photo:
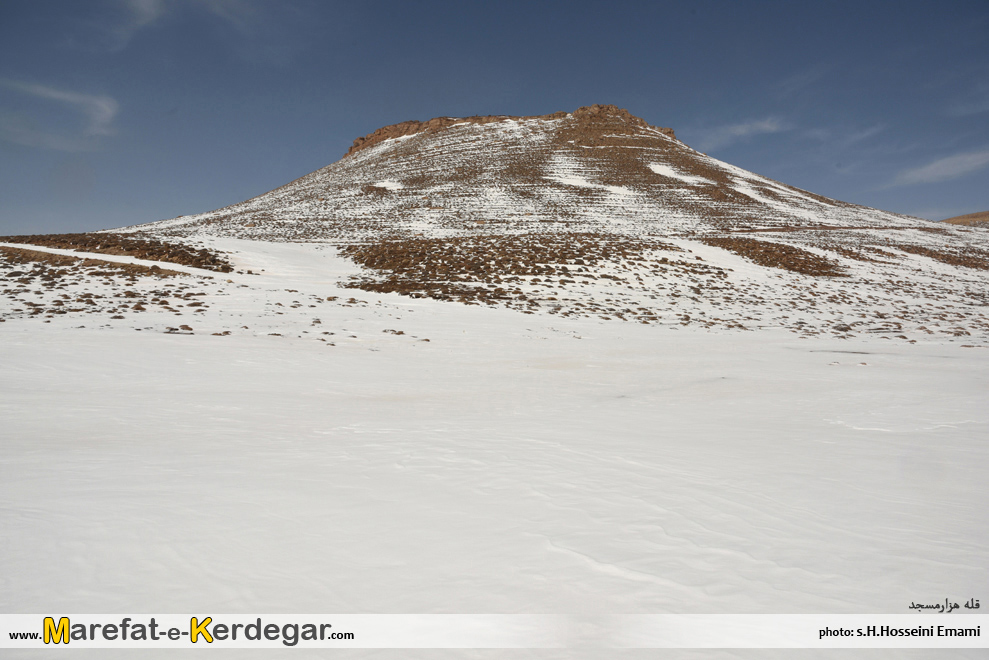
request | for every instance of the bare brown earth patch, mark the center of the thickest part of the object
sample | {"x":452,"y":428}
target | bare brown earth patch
{"x":374,"y":190}
{"x":488,"y":268}
{"x":151,"y":249}
{"x":10,"y":257}
{"x":973,"y":259}
{"x":778,"y":255}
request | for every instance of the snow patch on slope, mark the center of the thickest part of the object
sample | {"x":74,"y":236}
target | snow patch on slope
{"x":668,"y":171}
{"x":570,"y":172}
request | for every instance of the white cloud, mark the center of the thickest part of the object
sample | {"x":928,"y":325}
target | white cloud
{"x":97,"y":114}
{"x":944,"y":169}
{"x":723,"y":136}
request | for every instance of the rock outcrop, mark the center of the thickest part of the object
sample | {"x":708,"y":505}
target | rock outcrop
{"x":412,"y":127}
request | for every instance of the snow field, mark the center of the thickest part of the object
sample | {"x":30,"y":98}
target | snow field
{"x":513,"y":463}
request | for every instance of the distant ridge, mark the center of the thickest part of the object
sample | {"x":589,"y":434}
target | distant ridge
{"x":979,"y":218}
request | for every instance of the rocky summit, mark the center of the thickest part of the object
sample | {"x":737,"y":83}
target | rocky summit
{"x":588,"y":214}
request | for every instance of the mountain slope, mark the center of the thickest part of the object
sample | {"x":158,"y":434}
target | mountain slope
{"x":598,"y":168}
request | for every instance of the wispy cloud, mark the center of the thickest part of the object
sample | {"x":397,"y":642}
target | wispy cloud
{"x":723,"y":136}
{"x":245,"y":16}
{"x":842,"y":137}
{"x":800,"y":81}
{"x":944,"y":169}
{"x":858,"y":136}
{"x":267,"y":31}
{"x":116,"y":28}
{"x":96,"y":112}
{"x":143,"y":12}
{"x":975,"y":103}
{"x":130,"y":18}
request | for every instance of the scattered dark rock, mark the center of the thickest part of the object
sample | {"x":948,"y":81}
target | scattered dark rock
{"x":778,"y":255}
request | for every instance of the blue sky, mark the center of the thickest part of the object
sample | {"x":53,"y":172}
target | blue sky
{"x":117,"y":112}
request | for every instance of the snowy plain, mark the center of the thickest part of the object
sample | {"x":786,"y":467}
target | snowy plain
{"x":511,"y":464}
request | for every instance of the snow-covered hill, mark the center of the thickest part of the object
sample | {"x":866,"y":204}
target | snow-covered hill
{"x":596,"y":169}
{"x":597,"y":214}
